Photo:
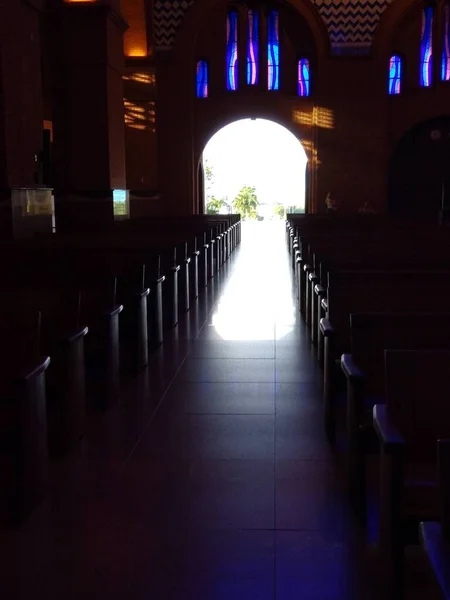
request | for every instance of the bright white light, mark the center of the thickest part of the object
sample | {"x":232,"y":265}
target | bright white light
{"x":120,"y":195}
{"x":257,"y":153}
{"x":257,"y":302}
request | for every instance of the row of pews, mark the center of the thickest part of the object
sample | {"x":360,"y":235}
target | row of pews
{"x":78,"y":313}
{"x":375,"y":295}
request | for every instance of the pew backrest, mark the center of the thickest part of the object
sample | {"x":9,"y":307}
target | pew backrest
{"x":418,"y":399}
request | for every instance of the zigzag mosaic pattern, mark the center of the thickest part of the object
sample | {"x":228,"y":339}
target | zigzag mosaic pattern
{"x":167,"y":16}
{"x":351,"y":23}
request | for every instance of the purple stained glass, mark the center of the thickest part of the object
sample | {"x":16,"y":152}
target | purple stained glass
{"x":395,"y":74}
{"x":426,"y":47}
{"x":445,"y":66}
{"x":303,"y":87}
{"x":232,"y":50}
{"x":202,"y":79}
{"x":252,"y":47}
{"x":273,"y":51}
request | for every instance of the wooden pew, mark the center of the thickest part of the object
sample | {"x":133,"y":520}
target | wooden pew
{"x":350,"y":232}
{"x":378,"y":253}
{"x":378,"y":291}
{"x":363,"y":367}
{"x":23,"y":423}
{"x":416,"y":415}
{"x":434,"y":535}
{"x":97,"y":295}
{"x":63,"y":339}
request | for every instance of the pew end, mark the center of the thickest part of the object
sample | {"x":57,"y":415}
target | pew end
{"x":415,"y":416}
{"x":23,"y":443}
{"x":435,"y":536}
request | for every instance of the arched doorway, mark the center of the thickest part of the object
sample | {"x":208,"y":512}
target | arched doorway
{"x":419,"y":171}
{"x":259,"y":154}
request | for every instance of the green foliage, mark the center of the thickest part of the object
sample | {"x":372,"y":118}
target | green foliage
{"x":209,"y":180}
{"x":279,"y":211}
{"x":246,"y":203}
{"x":214,"y":205}
{"x":209,"y":174}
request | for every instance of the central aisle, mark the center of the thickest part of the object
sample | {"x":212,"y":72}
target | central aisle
{"x":233,"y":493}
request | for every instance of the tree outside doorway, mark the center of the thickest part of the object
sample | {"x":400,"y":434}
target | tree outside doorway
{"x":254,"y":167}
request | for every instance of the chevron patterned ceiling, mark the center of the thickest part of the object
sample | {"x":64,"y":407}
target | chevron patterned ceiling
{"x":351,"y":23}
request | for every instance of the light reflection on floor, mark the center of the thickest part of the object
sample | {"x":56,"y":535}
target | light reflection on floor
{"x":257,"y":303}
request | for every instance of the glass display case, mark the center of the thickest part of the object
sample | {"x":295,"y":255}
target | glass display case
{"x":33,"y":211}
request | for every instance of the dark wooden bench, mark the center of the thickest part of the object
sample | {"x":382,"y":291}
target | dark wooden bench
{"x":380,"y":253}
{"x":62,"y":337}
{"x":416,"y":415}
{"x":23,"y":423}
{"x":363,"y":367}
{"x":435,"y":535}
{"x":376,"y":291}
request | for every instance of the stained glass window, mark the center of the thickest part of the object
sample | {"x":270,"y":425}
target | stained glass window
{"x":426,"y":47}
{"x":445,"y":67}
{"x":252,"y":47}
{"x":303,"y":81}
{"x":395,"y":74}
{"x":273,"y":51}
{"x":202,"y":79}
{"x":232,"y":50}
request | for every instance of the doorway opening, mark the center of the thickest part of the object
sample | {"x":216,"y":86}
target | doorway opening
{"x":255,"y":167}
{"x":419,"y":172}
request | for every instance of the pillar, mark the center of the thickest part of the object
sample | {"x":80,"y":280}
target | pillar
{"x":174,"y":124}
{"x":21,"y":113}
{"x":89,"y":133}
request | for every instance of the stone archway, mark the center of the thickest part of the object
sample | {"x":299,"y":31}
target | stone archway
{"x":261,"y":153}
{"x":419,"y":171}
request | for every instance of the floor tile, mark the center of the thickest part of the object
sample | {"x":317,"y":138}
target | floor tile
{"x":221,"y":398}
{"x":228,"y":370}
{"x":199,"y":493}
{"x":210,"y":436}
{"x":311,"y":567}
{"x":232,"y":349}
{"x":290,"y":370}
{"x":299,"y":438}
{"x":309,"y":496}
{"x":299,"y":399}
{"x":218,"y":565}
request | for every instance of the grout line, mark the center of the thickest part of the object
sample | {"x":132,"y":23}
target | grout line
{"x":153,"y":414}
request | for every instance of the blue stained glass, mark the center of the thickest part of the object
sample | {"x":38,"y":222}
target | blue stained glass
{"x":445,"y":66}
{"x":395,"y":74}
{"x":232,"y":50}
{"x":426,"y":47}
{"x":252,"y":47}
{"x":202,"y":79}
{"x":304,"y":81}
{"x":273,"y":51}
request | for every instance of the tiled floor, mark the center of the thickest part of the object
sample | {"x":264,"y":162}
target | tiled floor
{"x":212,"y":479}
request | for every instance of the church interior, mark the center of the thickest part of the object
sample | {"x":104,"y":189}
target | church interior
{"x":208,"y":404}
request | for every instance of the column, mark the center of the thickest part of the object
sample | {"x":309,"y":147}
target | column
{"x":89,"y":133}
{"x":174,"y":126}
{"x":21,"y":114}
